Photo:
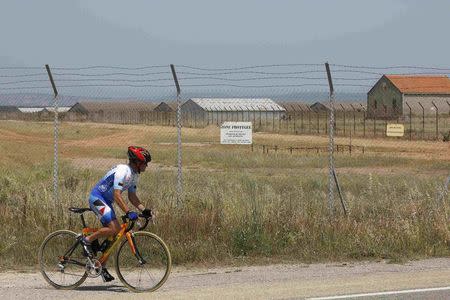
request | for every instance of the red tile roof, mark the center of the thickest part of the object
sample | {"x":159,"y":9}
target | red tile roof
{"x":421,"y":84}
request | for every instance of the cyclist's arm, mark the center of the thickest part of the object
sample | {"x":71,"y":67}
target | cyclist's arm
{"x":134,"y":199}
{"x":119,"y":200}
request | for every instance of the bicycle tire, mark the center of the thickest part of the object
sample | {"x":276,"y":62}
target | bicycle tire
{"x":167,"y":262}
{"x":41,"y":261}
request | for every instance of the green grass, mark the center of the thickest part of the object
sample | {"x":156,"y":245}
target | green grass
{"x":237,"y":203}
{"x":235,"y":214}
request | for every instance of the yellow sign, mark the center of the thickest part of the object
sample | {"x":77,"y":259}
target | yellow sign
{"x":395,"y":130}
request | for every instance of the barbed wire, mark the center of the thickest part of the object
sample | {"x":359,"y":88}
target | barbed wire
{"x":22,"y":68}
{"x":186,"y":85}
{"x":272,"y":78}
{"x":24,"y":75}
{"x":113,"y":74}
{"x":207,"y":85}
{"x":390,"y":67}
{"x":200,"y":77}
{"x":24,"y":81}
{"x":25,"y":88}
{"x":109,"y":67}
{"x":248,"y":67}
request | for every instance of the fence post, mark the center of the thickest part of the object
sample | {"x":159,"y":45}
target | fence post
{"x":385,"y":118}
{"x":260,"y":119}
{"x":318,"y":122}
{"x":288,"y":122}
{"x":179,"y":149}
{"x":364,"y":120}
{"x":374,"y":115}
{"x":55,"y":137}
{"x":302,"y":126}
{"x":437,"y":119}
{"x":273,"y":120}
{"x":332,"y":178}
{"x":253,"y":119}
{"x":410,"y":121}
{"x":295,"y":128}
{"x":309,"y":119}
{"x":423,"y":120}
{"x":343,"y":111}
{"x":330,"y":143}
{"x":354,"y":119}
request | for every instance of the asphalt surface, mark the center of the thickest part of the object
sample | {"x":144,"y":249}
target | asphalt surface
{"x":425,"y":279}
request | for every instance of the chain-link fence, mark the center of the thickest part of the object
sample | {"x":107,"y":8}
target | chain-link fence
{"x":275,"y":196}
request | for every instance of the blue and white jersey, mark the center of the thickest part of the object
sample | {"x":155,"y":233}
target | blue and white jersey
{"x":120,"y":177}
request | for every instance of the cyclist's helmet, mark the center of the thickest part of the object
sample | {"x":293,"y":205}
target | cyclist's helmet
{"x":139,"y":155}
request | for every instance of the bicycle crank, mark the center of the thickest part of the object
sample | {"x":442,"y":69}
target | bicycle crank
{"x":93,"y":268}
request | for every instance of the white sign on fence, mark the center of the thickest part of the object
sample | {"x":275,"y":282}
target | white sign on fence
{"x":236,"y":133}
{"x":395,"y":130}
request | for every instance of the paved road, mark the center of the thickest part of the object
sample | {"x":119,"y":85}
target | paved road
{"x":325,"y":281}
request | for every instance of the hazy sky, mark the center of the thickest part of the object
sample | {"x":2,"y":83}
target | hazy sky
{"x":224,"y":33}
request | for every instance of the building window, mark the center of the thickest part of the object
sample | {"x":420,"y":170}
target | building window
{"x":375,"y":104}
{"x":394,"y":105}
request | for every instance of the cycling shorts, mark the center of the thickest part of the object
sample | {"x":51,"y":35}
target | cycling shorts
{"x":102,"y":209}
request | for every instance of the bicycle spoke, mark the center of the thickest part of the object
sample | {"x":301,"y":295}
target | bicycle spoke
{"x":139,"y":281}
{"x":153,"y":273}
{"x":72,"y":274}
{"x":151,"y":277}
{"x":62,"y":273}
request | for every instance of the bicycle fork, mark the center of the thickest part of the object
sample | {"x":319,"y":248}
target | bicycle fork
{"x":134,"y":248}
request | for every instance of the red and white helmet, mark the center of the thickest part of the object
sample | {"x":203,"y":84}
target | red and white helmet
{"x":139,"y":155}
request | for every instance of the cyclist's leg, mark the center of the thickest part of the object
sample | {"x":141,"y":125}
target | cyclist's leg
{"x":107,"y":217}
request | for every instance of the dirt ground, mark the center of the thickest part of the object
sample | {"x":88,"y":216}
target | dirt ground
{"x":284,"y":281}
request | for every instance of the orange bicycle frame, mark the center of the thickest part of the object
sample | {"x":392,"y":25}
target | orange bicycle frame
{"x":118,"y":238}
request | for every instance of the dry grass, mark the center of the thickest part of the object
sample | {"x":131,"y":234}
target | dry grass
{"x":237,"y":203}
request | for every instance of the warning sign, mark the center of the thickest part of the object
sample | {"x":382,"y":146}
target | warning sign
{"x":395,"y":130}
{"x":236,"y":133}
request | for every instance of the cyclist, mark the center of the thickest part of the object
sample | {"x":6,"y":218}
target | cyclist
{"x":109,"y":190}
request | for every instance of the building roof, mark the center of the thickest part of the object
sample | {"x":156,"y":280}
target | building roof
{"x":173,"y":105}
{"x":421,"y":84}
{"x":61,"y":109}
{"x":115,"y":106}
{"x":8,"y":108}
{"x":339,"y":106}
{"x":166,"y":106}
{"x":237,"y":104}
{"x":294,"y":106}
{"x":29,"y":110}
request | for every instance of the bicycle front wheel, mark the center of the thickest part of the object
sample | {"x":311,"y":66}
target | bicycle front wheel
{"x":61,"y":260}
{"x":149,"y":274}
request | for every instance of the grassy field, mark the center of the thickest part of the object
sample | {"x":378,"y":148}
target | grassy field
{"x":239,"y":204}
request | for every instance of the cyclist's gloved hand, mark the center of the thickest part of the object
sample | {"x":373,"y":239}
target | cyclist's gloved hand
{"x":131,"y":215}
{"x":147,"y":213}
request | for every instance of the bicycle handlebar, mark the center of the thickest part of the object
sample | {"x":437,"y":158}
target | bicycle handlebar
{"x":125,"y":218}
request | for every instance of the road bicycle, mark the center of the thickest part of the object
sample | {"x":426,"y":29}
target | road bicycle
{"x":142,"y":260}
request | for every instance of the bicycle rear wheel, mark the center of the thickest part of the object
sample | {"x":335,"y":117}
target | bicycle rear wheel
{"x":153,"y":272}
{"x":61,"y":260}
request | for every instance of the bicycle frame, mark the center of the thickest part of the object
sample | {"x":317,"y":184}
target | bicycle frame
{"x":123,"y":231}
